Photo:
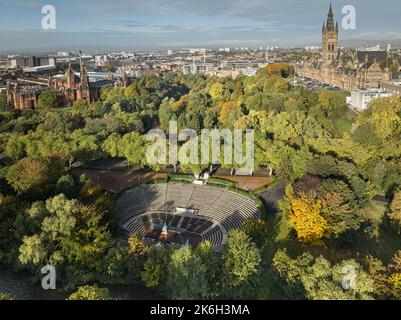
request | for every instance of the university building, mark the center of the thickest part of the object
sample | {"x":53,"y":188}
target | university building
{"x":347,"y":69}
{"x":24,"y":94}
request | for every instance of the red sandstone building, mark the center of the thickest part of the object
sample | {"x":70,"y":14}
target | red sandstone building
{"x":24,"y":94}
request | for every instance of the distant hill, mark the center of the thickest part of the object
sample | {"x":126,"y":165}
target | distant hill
{"x":356,"y":43}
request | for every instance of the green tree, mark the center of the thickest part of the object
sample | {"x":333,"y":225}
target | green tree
{"x":117,"y":264}
{"x":16,"y":147}
{"x":89,"y":241}
{"x":6,"y":296}
{"x":133,"y":148}
{"x":165,"y":113}
{"x":66,"y":185}
{"x":90,"y":293}
{"x":317,"y":279}
{"x":137,"y":252}
{"x":155,"y":268}
{"x":379,"y":273}
{"x":80,"y":108}
{"x":395,"y":211}
{"x":213,"y":264}
{"x":257,"y":230}
{"x":33,"y":250}
{"x":186,"y":276}
{"x":10,"y":208}
{"x":72,"y":237}
{"x":241,"y":258}
{"x":29,"y":221}
{"x":62,"y":221}
{"x":112,"y":145}
{"x":3,"y":102}
{"x":47,"y":100}
{"x":339,"y":207}
{"x":37,"y":175}
{"x":330,"y":101}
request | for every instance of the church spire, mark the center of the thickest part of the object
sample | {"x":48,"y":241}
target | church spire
{"x":80,"y":60}
{"x":84,"y":92}
{"x":330,"y":38}
{"x":330,"y":11}
{"x":70,"y":77}
{"x":330,"y":19}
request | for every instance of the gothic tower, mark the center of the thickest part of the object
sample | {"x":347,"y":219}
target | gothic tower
{"x":84,"y":91}
{"x":330,"y":39}
{"x":70,"y":78}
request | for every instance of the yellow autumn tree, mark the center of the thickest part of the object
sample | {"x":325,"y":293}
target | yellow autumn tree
{"x":241,"y":123}
{"x":309,"y":224}
{"x":181,"y":104}
{"x":282,"y":69}
{"x":217,"y":91}
{"x":227,"y":111}
{"x":385,"y":115}
{"x":131,"y":91}
{"x":395,"y":281}
{"x":136,"y":247}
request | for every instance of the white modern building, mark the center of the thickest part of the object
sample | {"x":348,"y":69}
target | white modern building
{"x":197,"y":50}
{"x":39,"y":69}
{"x":361,"y":99}
{"x":249,"y":72}
{"x":103,"y":60}
{"x":198,"y":68}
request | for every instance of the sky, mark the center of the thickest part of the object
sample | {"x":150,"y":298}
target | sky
{"x":154,"y":24}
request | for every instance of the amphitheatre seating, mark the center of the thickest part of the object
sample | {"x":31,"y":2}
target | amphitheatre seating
{"x":131,"y":203}
{"x":204,"y":197}
{"x":200,"y":226}
{"x":196,"y":225}
{"x":155,"y":196}
{"x":178,"y":195}
{"x":173,"y":220}
{"x":214,"y":235}
{"x":158,"y":217}
{"x":140,"y":226}
{"x":234,"y":221}
{"x":185,"y":223}
{"x":213,"y":205}
{"x":146,"y":222}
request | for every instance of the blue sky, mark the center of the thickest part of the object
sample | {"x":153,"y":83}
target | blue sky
{"x":140,"y":24}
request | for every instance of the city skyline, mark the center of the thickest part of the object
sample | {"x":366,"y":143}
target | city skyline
{"x":153,"y":24}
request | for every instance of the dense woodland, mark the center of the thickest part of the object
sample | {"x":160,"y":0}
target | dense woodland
{"x":334,"y":163}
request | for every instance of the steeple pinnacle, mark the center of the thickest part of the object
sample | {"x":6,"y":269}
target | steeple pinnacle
{"x":330,"y":38}
{"x":330,"y":19}
{"x":330,"y":11}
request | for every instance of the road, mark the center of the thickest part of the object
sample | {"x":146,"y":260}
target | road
{"x":272,"y":195}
